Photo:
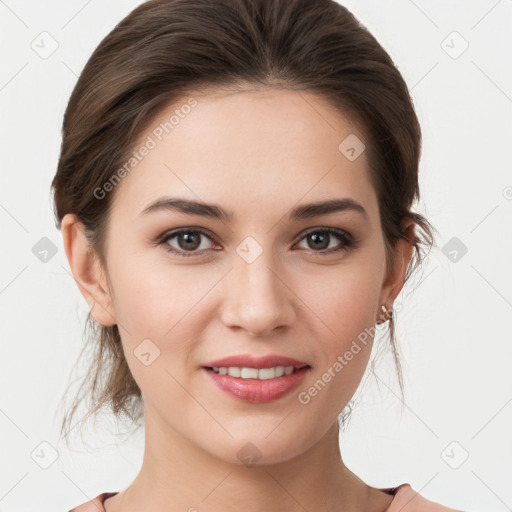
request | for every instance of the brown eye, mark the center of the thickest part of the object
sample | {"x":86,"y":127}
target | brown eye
{"x":320,"y":240}
{"x":188,"y":242}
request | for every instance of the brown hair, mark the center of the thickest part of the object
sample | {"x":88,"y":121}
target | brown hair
{"x":166,"y":48}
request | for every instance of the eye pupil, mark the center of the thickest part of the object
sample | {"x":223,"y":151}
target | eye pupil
{"x":316,"y":237}
{"x":190,"y":244}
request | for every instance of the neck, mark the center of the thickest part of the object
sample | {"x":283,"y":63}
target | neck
{"x":177,"y":475}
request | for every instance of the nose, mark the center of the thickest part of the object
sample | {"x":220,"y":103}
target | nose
{"x":257,"y":298}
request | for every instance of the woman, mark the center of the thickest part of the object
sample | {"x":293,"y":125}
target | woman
{"x":208,"y":147}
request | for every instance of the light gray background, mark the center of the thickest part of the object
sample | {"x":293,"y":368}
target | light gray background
{"x":454,"y":330}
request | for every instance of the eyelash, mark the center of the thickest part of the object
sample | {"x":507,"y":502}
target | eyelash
{"x":348,"y":242}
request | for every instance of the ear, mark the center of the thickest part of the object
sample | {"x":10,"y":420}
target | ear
{"x":395,"y":279}
{"x":87,"y":270}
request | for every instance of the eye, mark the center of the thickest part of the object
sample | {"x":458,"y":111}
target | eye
{"x":320,"y":239}
{"x":189,"y":242}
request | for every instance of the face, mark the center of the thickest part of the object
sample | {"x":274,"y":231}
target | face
{"x":187,"y":289}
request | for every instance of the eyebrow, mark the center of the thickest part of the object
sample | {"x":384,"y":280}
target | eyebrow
{"x":301,"y":212}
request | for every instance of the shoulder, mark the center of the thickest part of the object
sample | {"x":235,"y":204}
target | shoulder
{"x":408,"y":500}
{"x":95,"y":505}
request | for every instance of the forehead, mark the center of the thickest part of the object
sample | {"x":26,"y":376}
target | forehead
{"x":262,"y":147}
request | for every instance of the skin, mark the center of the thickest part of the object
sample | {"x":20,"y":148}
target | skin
{"x":258,"y":153}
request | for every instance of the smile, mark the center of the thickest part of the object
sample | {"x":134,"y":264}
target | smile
{"x":254,"y":373}
{"x":249,"y":385}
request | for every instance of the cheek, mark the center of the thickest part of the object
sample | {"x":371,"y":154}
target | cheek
{"x":344,"y":353}
{"x":346,"y":306}
{"x":150,"y":296}
{"x":348,"y":299}
{"x":154,"y":338}
{"x":161,"y":302}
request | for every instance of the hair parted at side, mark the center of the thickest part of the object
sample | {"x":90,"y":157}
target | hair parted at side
{"x":166,"y":48}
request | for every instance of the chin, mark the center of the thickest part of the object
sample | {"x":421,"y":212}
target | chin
{"x":260,"y":450}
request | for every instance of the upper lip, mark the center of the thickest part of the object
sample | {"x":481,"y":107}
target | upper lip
{"x":248,"y":361}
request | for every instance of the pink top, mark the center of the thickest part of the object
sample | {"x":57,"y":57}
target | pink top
{"x":406,"y":499}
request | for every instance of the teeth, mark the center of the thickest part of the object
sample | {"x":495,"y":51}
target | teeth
{"x":255,"y":373}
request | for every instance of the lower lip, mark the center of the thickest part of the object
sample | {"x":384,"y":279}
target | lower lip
{"x":255,"y":390}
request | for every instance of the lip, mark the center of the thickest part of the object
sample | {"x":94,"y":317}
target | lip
{"x":248,"y":361}
{"x":255,"y":390}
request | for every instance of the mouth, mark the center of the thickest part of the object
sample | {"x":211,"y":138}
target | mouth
{"x":257,"y":385}
{"x":256,"y":373}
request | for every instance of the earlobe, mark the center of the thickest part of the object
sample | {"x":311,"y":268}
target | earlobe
{"x":87,"y":271}
{"x":403,"y":253}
